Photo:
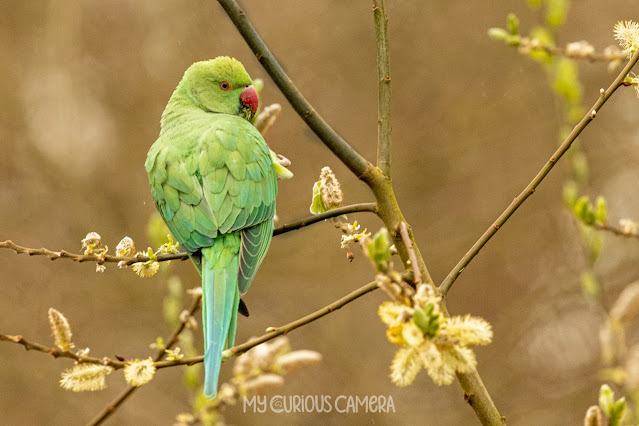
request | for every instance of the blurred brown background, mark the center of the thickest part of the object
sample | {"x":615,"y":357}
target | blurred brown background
{"x":83,"y":85}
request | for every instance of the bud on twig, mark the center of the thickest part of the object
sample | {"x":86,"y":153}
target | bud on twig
{"x":61,"y":330}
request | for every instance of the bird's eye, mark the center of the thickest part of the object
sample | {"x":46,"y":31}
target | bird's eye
{"x":225,"y":85}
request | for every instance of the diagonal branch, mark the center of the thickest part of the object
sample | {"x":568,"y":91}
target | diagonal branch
{"x":347,"y":154}
{"x":384,"y":90}
{"x":273,"y":332}
{"x":63,"y":254}
{"x":530,"y":188}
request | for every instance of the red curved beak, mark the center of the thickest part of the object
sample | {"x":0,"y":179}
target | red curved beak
{"x":249,"y":98}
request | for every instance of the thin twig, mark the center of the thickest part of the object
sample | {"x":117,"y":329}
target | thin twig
{"x":530,"y":188}
{"x":113,"y":405}
{"x":403,"y":229}
{"x":384,"y":88}
{"x":614,"y":230}
{"x":527,"y":45}
{"x":278,"y":331}
{"x":63,"y":254}
{"x":346,"y":153}
{"x":57,"y":353}
{"x":355,"y":208}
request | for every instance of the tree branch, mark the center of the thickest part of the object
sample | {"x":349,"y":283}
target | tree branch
{"x":362,"y":207}
{"x":57,"y":353}
{"x":273,"y":332}
{"x":474,"y":395}
{"x":347,"y":154}
{"x":411,"y":252}
{"x":468,"y":257}
{"x":63,"y":254}
{"x":384,"y":89}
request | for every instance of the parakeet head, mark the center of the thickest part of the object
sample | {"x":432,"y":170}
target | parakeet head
{"x":221,"y":85}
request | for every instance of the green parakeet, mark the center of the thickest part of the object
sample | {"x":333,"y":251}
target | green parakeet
{"x":213,"y":180}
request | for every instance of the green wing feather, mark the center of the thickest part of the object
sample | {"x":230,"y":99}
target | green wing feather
{"x":215,"y":178}
{"x":255,"y":242}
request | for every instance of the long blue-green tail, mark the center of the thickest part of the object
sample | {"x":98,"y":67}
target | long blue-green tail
{"x":220,"y":300}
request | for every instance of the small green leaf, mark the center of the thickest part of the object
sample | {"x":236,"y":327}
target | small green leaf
{"x":379,"y":249}
{"x":606,"y":399}
{"x":601,"y":212}
{"x":596,"y":244}
{"x":498,"y":34}
{"x":616,"y":412}
{"x":584,"y":211}
{"x":317,"y":205}
{"x":421,"y":319}
{"x":158,"y":344}
{"x":282,"y":172}
{"x":514,"y":40}
{"x":556,"y":12}
{"x":512,"y":23}
{"x":426,"y":321}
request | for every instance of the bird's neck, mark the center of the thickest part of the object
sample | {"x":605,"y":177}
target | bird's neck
{"x":179,"y":109}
